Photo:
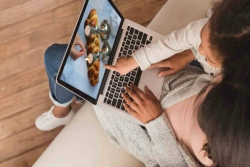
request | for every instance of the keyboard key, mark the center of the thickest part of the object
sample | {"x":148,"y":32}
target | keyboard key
{"x":136,"y":47}
{"x":144,"y":38}
{"x":122,"y":108}
{"x":114,"y":85}
{"x":126,"y":79}
{"x":127,"y":42}
{"x":140,"y":35}
{"x":121,"y":49}
{"x":128,"y":28}
{"x":128,"y":74}
{"x":133,"y":73}
{"x":130,"y":52}
{"x":118,"y":89}
{"x":123,"y":90}
{"x":131,"y":47}
{"x":105,"y":100}
{"x":112,"y":90}
{"x":138,"y":76}
{"x":150,"y":38}
{"x":134,"y":36}
{"x":120,"y":55}
{"x":117,"y":74}
{"x":120,"y":84}
{"x":129,"y":37}
{"x":133,"y":42}
{"x":125,"y":84}
{"x":121,"y":78}
{"x":125,"y":39}
{"x":119,"y":103}
{"x":109,"y":88}
{"x":114,"y":102}
{"x":109,"y":101}
{"x":126,"y":47}
{"x":132,"y":78}
{"x":116,"y":79}
{"x":123,"y":43}
{"x":131,"y":31}
{"x":107,"y":94}
{"x":110,"y":83}
{"x":136,"y":31}
{"x":126,"y":33}
{"x":110,"y":96}
{"x":148,"y":42}
{"x":138,"y":42}
{"x":124,"y":52}
{"x":116,"y":95}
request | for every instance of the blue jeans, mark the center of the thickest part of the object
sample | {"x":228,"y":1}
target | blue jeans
{"x":52,"y":59}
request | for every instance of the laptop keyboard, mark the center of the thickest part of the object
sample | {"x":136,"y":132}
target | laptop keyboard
{"x":133,"y":40}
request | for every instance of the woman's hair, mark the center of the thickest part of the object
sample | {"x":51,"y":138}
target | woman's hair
{"x":230,"y":33}
{"x":224,"y":116}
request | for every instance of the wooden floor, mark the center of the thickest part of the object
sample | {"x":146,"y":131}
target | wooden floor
{"x":27,"y":28}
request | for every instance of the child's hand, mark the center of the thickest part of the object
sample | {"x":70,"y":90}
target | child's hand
{"x":145,"y":107}
{"x":174,"y":63}
{"x":123,"y":65}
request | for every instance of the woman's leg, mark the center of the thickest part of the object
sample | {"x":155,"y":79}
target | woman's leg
{"x":61,"y":113}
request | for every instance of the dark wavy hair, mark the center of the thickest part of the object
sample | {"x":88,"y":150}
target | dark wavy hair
{"x":224,"y":116}
{"x":230,"y":34}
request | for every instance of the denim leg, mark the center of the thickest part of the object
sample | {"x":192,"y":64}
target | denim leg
{"x":52,"y":59}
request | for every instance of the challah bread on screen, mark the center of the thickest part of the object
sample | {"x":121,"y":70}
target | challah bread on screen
{"x":93,"y":46}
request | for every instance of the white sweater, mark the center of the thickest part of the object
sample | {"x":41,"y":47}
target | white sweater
{"x":175,"y":42}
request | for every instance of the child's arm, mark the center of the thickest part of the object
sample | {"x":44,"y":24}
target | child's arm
{"x":164,"y":48}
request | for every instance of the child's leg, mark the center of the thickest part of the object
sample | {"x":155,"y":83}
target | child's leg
{"x":61,"y":113}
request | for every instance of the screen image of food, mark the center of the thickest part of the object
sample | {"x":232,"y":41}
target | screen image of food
{"x":93,"y":43}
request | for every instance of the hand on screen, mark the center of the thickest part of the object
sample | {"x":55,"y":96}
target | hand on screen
{"x":173,"y":64}
{"x":123,"y":65}
{"x":75,"y":54}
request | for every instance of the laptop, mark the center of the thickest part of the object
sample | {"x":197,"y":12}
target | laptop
{"x":107,"y":36}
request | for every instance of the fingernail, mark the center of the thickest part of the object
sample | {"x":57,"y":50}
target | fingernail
{"x":123,"y":104}
{"x":122,"y":94}
{"x":125,"y":87}
{"x":159,"y":75}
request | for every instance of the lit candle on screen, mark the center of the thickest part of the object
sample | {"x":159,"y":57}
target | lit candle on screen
{"x":87,"y":30}
{"x":89,"y":58}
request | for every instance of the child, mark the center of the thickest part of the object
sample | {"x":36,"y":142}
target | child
{"x":213,"y":41}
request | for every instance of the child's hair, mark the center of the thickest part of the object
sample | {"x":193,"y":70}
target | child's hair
{"x":230,"y":34}
{"x":224,"y":116}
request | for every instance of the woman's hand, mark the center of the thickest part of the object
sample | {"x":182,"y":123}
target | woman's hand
{"x":75,"y":54}
{"x":144,"y":107}
{"x":123,"y":65}
{"x":175,"y":63}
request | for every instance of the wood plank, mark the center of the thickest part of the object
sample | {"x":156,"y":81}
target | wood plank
{"x":25,"y":141}
{"x":4,"y":4}
{"x":44,"y":19}
{"x":42,"y":36}
{"x":27,"y":159}
{"x":60,"y":29}
{"x":27,"y":10}
{"x":22,"y":81}
{"x":23,"y":120}
{"x":23,"y":100}
{"x":21,"y":62}
{"x":14,"y":47}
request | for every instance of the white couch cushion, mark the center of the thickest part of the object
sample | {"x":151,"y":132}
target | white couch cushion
{"x":83,"y":143}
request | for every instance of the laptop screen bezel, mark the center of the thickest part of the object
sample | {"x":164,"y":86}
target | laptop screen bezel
{"x":63,"y":63}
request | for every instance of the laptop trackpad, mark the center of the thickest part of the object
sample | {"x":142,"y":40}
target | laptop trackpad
{"x":154,"y":83}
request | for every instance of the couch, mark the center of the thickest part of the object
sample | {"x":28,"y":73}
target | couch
{"x":83,"y":143}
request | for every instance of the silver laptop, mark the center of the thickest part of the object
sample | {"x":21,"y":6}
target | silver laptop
{"x":107,"y":36}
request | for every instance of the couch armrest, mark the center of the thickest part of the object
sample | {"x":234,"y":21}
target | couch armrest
{"x":176,"y":14}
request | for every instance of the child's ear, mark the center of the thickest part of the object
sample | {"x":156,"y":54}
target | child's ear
{"x":203,"y":157}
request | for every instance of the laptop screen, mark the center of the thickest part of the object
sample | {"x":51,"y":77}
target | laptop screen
{"x":96,"y":34}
